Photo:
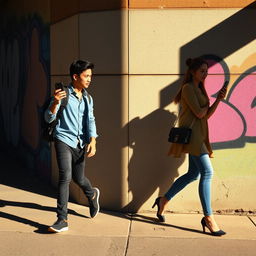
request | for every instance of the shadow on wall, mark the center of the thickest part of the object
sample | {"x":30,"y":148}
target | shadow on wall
{"x":222,"y":40}
{"x":217,"y":43}
{"x":106,"y":169}
{"x":109,"y":89}
{"x":149,"y":168}
{"x":24,"y":76}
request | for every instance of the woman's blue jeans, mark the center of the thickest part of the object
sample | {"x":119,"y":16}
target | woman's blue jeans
{"x":199,"y":166}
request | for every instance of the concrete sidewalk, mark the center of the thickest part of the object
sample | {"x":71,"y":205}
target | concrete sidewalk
{"x":25,"y":216}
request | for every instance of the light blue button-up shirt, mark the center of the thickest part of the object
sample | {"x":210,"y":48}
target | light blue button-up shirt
{"x":77,"y":122}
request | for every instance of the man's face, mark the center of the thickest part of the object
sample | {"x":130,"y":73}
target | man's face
{"x":84,"y":79}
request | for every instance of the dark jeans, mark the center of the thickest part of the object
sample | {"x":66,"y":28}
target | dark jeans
{"x":71,"y":163}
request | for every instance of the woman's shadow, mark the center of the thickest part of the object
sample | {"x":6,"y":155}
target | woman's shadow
{"x":150,"y":168}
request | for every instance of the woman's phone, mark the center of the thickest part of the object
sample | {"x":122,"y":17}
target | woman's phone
{"x":59,"y":86}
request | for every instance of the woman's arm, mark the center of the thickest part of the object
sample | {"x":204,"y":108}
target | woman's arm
{"x":213,"y":107}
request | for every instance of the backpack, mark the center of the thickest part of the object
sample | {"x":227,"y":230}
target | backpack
{"x":48,"y":128}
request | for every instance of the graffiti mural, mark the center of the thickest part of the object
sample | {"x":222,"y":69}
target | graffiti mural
{"x":24,"y":85}
{"x":234,"y":122}
{"x":9,"y":85}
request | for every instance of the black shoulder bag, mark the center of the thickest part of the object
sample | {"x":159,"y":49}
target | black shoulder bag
{"x":180,"y":135}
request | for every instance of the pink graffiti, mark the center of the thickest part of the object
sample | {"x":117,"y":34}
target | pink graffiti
{"x":242,"y":97}
{"x":227,"y":123}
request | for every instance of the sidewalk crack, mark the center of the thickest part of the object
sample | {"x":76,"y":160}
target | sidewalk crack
{"x":251,"y":220}
{"x":128,"y":236}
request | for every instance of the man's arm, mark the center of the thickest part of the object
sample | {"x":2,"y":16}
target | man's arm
{"x":91,"y":148}
{"x":51,"y":111}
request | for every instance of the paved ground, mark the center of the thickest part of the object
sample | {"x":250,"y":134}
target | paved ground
{"x":25,"y":216}
{"x":28,"y":207}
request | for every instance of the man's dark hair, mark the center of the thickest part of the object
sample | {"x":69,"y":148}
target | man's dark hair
{"x":79,"y":66}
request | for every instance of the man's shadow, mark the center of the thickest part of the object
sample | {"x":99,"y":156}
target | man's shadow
{"x":150,"y":168}
{"x":40,"y":228}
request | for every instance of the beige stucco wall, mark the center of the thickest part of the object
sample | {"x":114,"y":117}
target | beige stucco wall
{"x":100,"y":37}
{"x":156,"y":41}
{"x":157,"y":36}
{"x":139,"y":56}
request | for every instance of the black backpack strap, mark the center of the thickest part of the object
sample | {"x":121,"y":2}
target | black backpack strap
{"x":89,"y":97}
{"x":64,"y":101}
{"x":48,"y":128}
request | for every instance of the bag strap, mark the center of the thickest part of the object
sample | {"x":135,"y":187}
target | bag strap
{"x":178,"y":117}
{"x":88,"y":96}
{"x":192,"y":123}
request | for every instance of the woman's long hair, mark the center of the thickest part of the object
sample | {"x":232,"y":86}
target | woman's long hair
{"x":193,"y":65}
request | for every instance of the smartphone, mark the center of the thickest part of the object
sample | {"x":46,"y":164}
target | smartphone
{"x":59,"y":86}
{"x":225,"y":84}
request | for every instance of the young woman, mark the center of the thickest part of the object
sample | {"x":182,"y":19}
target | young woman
{"x":195,"y":111}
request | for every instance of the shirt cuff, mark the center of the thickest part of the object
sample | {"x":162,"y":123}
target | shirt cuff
{"x":49,"y":116}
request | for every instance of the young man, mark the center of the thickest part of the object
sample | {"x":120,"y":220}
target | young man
{"x":75,"y":135}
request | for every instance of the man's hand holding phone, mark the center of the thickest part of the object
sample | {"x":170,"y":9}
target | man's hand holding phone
{"x":59,"y":92}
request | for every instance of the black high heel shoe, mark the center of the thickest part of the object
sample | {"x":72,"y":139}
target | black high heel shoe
{"x":214,"y":233}
{"x":159,"y":216}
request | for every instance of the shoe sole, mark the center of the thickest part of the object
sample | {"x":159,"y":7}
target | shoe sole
{"x":97,"y":198}
{"x":51,"y":229}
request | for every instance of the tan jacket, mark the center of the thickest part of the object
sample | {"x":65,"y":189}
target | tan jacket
{"x":192,"y":100}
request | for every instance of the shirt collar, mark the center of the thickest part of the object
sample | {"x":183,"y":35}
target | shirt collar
{"x":71,"y":88}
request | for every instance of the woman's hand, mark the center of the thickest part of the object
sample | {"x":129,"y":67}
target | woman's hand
{"x":222,"y":93}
